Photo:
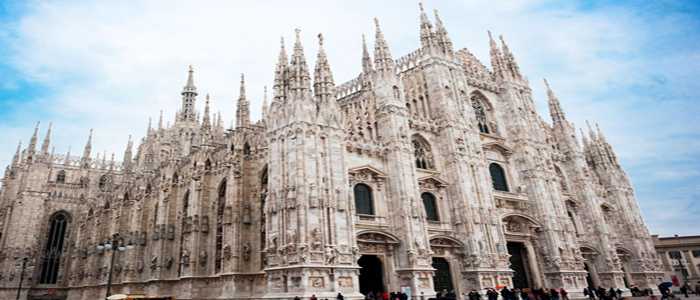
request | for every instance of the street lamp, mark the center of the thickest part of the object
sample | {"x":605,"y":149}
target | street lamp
{"x":115,"y":245}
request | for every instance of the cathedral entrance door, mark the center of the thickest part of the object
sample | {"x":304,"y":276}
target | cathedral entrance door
{"x":589,"y":280}
{"x":371,"y":274}
{"x":517,"y":263}
{"x":442,"y":280}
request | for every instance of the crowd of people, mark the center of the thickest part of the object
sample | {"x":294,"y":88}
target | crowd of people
{"x":505,"y":293}
{"x":521,"y":294}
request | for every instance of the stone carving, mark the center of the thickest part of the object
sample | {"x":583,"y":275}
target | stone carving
{"x":246,"y":251}
{"x":203,"y":258}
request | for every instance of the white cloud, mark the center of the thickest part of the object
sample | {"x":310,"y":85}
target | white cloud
{"x":110,"y":65}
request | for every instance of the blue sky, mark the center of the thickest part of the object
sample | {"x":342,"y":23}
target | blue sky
{"x":631,"y":66}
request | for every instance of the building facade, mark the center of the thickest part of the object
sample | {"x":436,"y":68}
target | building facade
{"x":680,"y":256}
{"x":423,"y":173}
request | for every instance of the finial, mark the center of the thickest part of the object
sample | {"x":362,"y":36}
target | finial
{"x":376,"y":24}
{"x":420,"y":6}
{"x":297,"y":33}
{"x":546,"y":83}
{"x":320,"y":39}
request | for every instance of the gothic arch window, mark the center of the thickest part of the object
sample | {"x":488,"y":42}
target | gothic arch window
{"x":53,"y":251}
{"x":364,"y":203}
{"x":498,"y":177}
{"x":207,"y":165}
{"x":422,"y":152}
{"x":430,"y":205}
{"x":573,"y":221}
{"x":104,"y":181}
{"x":478,"y":102}
{"x":220,"y":207}
{"x":246,"y":149}
{"x":562,"y":180}
{"x":61,"y":177}
{"x":175,"y":179}
{"x":155,"y":216}
{"x":183,"y":231}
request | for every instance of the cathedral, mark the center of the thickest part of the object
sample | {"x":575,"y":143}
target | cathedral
{"x":424,"y":173}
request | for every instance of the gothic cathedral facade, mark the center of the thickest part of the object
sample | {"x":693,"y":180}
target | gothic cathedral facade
{"x":423,"y":173}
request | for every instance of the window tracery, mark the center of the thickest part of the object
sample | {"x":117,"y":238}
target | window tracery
{"x":422,"y":152}
{"x":481,"y":113}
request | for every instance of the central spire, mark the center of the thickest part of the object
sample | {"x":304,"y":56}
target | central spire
{"x":242,"y":108}
{"x":299,"y":77}
{"x":189,"y":94}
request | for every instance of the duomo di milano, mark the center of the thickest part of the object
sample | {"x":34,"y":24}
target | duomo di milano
{"x":425,"y":172}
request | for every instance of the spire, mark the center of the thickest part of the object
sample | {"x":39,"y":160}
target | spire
{"x":189,"y":94}
{"x":382,"y":56}
{"x":591,"y":134}
{"x":149,"y":130}
{"x":47,"y":142}
{"x":299,"y":77}
{"x":366,"y":60}
{"x":67,"y":160}
{"x":426,"y":29}
{"x":496,"y":57}
{"x":160,"y":120}
{"x":242,"y":108}
{"x":443,"y":39}
{"x":206,"y":120}
{"x":264,"y":104}
{"x":323,"y":77}
{"x":279,"y":87}
{"x":31,"y":150}
{"x":18,"y":152}
{"x":85,"y":160}
{"x":554,"y":106}
{"x":190,"y":79}
{"x":128,"y":155}
{"x":509,"y":60}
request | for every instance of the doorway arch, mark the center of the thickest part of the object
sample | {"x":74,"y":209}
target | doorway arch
{"x":371,"y":274}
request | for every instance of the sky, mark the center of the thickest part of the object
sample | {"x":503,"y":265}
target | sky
{"x":631,"y":66}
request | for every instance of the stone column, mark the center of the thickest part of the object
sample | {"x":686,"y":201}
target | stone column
{"x":690,"y":264}
{"x":534,"y":267}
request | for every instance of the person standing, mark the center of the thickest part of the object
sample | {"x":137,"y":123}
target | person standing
{"x":313,"y":297}
{"x":339,"y":297}
{"x":491,"y":294}
{"x":474,"y":295}
{"x":564,"y":294}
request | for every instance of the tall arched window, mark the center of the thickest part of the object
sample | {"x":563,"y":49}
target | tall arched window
{"x":573,"y":221}
{"x":61,"y":177}
{"x":364,"y":203}
{"x":498,"y":177}
{"x":220,"y":206}
{"x":422,"y":152}
{"x":185,"y":208}
{"x":431,"y":211}
{"x":562,"y":180}
{"x":54,"y":248}
{"x":478,"y":104}
{"x":246,"y":149}
{"x":103,"y":183}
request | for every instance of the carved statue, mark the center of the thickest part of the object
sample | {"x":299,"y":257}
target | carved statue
{"x":246,"y":251}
